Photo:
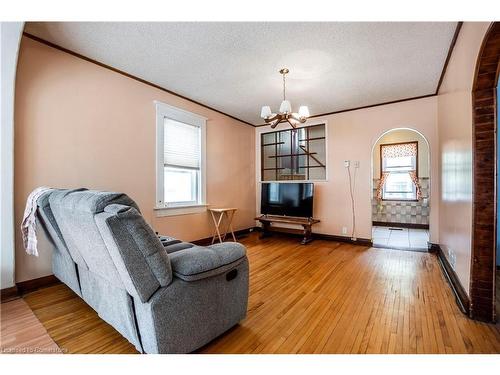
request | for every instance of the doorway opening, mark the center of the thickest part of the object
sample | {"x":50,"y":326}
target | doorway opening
{"x":401,"y":191}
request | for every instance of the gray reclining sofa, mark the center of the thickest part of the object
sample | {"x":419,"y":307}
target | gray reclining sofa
{"x":163,"y":295}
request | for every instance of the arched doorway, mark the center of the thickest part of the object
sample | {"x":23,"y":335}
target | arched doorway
{"x":484,"y":104}
{"x":401,"y":190}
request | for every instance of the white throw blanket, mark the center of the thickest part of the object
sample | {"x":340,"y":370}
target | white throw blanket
{"x":28,"y":226}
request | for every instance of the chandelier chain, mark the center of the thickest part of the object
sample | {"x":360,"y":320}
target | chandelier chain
{"x":284,"y":86}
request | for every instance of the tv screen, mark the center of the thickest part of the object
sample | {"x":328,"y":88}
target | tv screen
{"x":287,"y":199}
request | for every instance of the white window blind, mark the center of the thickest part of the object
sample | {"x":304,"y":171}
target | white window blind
{"x":182,"y":145}
{"x":180,"y":161}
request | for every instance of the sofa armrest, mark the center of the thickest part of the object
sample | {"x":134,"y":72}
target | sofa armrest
{"x":201,"y":262}
{"x":172,"y":244}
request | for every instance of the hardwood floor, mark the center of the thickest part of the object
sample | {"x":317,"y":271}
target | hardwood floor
{"x":73,"y":324}
{"x":22,"y":332}
{"x":326,"y":297}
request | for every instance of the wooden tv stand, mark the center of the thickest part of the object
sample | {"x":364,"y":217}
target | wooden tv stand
{"x":268,"y":220}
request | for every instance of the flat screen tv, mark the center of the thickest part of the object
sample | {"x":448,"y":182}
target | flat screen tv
{"x":287,"y":199}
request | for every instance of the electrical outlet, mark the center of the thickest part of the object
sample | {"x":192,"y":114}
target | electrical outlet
{"x":344,"y":230}
{"x":347,"y":163}
{"x":356,"y":164}
{"x":452,"y":258}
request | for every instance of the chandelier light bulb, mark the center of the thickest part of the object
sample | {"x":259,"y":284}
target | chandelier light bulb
{"x":303,"y":111}
{"x":265,"y":112}
{"x":285,"y":107}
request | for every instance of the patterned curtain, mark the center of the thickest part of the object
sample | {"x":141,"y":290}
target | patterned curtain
{"x":399,"y":150}
{"x":414,"y":178}
{"x":381,"y":184}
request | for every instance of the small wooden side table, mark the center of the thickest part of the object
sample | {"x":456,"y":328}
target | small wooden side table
{"x":221,"y":212}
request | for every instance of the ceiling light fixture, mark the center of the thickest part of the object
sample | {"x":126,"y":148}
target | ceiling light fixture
{"x":285,"y":112}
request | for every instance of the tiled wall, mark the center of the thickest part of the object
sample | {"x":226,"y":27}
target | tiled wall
{"x":403,"y":212}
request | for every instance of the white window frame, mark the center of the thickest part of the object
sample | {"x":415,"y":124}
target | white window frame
{"x":414,"y":167}
{"x":167,"y":111}
{"x":385,"y":192}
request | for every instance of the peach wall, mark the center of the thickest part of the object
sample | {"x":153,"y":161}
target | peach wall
{"x":351,"y":136}
{"x":81,"y":125}
{"x":455,"y":149}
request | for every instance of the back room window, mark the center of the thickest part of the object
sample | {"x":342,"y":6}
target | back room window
{"x":398,"y":161}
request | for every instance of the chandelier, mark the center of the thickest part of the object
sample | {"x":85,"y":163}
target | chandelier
{"x":285,"y":112}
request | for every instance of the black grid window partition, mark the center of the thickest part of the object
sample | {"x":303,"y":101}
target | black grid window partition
{"x":294,"y":154}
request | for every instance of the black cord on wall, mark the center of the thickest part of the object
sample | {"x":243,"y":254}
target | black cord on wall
{"x":352,"y":187}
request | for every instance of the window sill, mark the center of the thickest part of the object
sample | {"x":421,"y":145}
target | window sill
{"x":292,"y":181}
{"x":400,"y":200}
{"x":180,"y":210}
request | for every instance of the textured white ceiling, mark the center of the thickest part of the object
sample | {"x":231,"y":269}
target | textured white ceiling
{"x":233,"y":67}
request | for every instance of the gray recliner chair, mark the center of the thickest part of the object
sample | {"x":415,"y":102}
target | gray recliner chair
{"x":163,"y":295}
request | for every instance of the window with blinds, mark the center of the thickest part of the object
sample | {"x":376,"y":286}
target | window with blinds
{"x":180,"y":150}
{"x":181,"y":162}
